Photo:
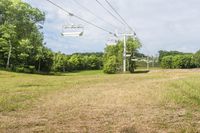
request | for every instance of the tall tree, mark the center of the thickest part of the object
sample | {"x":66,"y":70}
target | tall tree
{"x":117,"y":50}
{"x":21,"y":42}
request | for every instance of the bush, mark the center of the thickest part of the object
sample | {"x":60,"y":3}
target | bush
{"x":178,"y":61}
{"x":22,"y":69}
{"x":110,"y":66}
{"x":196,"y":59}
{"x":167,"y":62}
{"x":182,"y":61}
{"x":32,"y":69}
{"x":19,"y":69}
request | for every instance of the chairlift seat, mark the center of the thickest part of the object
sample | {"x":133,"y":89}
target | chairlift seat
{"x":72,"y":31}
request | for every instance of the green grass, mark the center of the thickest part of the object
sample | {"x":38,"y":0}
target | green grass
{"x":185,"y":91}
{"x":18,"y":91}
{"x":161,"y":100}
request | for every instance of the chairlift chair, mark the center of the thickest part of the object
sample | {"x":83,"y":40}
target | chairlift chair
{"x":72,"y":30}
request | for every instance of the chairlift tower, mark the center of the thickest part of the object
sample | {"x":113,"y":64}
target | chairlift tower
{"x":125,"y":35}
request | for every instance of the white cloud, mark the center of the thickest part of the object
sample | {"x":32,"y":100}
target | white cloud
{"x":160,"y":24}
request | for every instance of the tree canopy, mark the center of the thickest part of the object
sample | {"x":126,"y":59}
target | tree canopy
{"x":114,"y":54}
{"x":21,"y":42}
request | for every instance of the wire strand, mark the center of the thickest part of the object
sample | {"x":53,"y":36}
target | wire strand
{"x":86,"y":21}
{"x":119,"y":15}
{"x":88,"y":10}
{"x":109,"y":12}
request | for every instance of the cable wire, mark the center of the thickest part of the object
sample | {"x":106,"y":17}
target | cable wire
{"x":119,"y":15}
{"x":88,"y":10}
{"x":86,"y":21}
{"x":109,"y":12}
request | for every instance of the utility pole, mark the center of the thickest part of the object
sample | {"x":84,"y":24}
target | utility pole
{"x":125,"y":35}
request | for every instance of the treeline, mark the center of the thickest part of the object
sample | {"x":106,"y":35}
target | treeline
{"x":21,"y":42}
{"x":77,"y":62}
{"x":179,"y":60}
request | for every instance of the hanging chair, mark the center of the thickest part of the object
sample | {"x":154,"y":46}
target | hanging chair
{"x":72,"y":30}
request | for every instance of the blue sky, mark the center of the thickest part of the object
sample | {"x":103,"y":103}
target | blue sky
{"x":160,"y":24}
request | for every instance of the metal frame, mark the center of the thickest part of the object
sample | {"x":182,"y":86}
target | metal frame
{"x":72,"y":30}
{"x":143,"y":60}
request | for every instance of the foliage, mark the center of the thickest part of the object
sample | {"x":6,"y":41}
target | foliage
{"x":21,"y":42}
{"x":163,"y":53}
{"x":110,"y":65}
{"x":182,"y":61}
{"x":178,"y":61}
{"x":167,"y":62}
{"x":77,"y":62}
{"x":117,"y":51}
{"x":196,"y":59}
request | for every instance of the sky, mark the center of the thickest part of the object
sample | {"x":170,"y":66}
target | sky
{"x":159,"y":24}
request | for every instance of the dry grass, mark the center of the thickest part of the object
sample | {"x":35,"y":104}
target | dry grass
{"x":159,"y":101}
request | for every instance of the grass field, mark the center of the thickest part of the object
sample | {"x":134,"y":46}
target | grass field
{"x":90,"y":101}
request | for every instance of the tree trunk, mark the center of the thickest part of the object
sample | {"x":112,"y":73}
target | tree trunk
{"x":63,"y":68}
{"x":39,"y":66}
{"x":9,"y":55}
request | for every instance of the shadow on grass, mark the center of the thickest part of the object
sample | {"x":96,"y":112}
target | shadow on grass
{"x":33,"y":85}
{"x":141,"y":71}
{"x":67,"y":73}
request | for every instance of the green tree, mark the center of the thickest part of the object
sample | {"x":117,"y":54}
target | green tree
{"x":7,"y":35}
{"x":21,"y":42}
{"x":117,"y":50}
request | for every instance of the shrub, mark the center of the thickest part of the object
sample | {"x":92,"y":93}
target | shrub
{"x":19,"y":69}
{"x":178,"y":61}
{"x":28,"y":69}
{"x":110,"y":65}
{"x":32,"y":69}
{"x":167,"y":62}
{"x":196,"y":59}
{"x":182,"y":61}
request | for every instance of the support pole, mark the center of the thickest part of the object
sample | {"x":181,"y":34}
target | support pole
{"x":148,"y":63}
{"x":124,"y":55}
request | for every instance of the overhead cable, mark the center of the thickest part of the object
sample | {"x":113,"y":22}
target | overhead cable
{"x":88,"y":10}
{"x":119,"y":15}
{"x":78,"y":17}
{"x":109,"y":12}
